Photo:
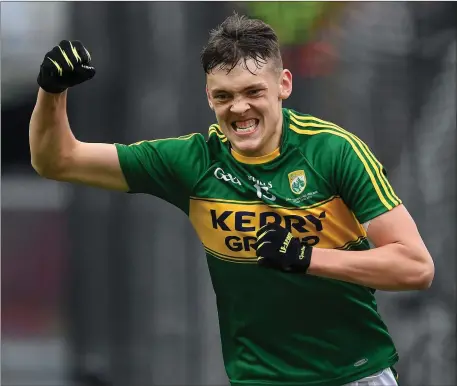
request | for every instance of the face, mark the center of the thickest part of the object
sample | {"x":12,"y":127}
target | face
{"x":247,"y":103}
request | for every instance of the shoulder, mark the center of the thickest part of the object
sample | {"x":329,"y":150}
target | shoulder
{"x":314,"y":134}
{"x":216,"y":142}
{"x":174,"y":153}
{"x":194,"y":144}
{"x":216,"y":136}
{"x":188,"y":140}
{"x":172,"y":148}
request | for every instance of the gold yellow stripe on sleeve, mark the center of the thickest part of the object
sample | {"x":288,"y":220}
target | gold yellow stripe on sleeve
{"x":356,"y":150}
{"x":386,"y":187}
{"x":373,"y":160}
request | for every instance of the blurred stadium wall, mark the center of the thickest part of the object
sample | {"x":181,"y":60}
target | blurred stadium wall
{"x":87,"y":286}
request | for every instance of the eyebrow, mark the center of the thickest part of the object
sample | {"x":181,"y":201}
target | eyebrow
{"x":255,"y":85}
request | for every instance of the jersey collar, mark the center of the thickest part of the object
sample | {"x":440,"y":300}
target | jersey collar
{"x":256,"y":160}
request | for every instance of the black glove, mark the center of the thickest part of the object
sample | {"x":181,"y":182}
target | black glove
{"x":278,"y":249}
{"x":66,"y":65}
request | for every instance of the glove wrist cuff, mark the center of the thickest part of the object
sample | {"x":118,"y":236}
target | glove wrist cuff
{"x":53,"y":90}
{"x":304,"y":257}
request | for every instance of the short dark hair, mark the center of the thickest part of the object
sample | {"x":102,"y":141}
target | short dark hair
{"x":240,"y":38}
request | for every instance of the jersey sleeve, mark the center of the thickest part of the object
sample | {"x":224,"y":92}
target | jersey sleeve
{"x":362,"y":180}
{"x":165,"y":168}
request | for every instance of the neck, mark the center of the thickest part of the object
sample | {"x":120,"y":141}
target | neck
{"x":275,"y":141}
{"x":269,"y":152}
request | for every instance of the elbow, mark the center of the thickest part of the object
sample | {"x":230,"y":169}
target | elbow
{"x":427,"y":277}
{"x":418,"y":268}
{"x":41,"y":169}
{"x":51,"y":165}
{"x":47,"y":170}
{"x":422,"y":278}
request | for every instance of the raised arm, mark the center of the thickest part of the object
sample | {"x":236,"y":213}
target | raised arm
{"x":55,"y":152}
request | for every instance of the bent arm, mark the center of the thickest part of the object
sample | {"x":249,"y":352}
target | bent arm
{"x":400,"y":260}
{"x":56,"y":153}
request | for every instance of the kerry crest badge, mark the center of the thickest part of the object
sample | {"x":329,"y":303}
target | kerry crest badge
{"x":297,"y":181}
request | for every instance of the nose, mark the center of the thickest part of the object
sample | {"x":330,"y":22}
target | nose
{"x":239,"y":106}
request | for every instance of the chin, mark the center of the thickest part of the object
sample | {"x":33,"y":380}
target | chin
{"x":248,"y":148}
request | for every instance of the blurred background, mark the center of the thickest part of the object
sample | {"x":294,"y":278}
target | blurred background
{"x":89,"y":294}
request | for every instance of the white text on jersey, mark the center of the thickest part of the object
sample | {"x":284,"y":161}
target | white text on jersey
{"x":227,"y":177}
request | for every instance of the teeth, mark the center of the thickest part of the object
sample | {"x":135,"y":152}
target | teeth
{"x":243,"y":130}
{"x":243,"y":126}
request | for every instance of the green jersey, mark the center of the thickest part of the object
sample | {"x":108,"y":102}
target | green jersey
{"x":322,"y":184}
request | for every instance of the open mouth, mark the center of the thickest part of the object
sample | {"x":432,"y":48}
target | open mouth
{"x":245,"y":127}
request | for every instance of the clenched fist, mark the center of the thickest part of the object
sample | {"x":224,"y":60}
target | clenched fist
{"x":66,"y":65}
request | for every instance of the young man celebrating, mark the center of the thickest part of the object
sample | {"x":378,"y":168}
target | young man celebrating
{"x":283,"y":202}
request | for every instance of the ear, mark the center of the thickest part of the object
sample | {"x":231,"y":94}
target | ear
{"x":209,"y":99}
{"x":285,"y":85}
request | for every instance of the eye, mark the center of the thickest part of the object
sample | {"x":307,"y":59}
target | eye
{"x":254,"y":92}
{"x":221,"y":97}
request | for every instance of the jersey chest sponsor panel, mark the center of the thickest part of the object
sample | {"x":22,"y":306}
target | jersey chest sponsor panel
{"x":232,"y":202}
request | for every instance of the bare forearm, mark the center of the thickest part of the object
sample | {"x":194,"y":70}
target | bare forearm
{"x":392,"y":267}
{"x":50,"y":136}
